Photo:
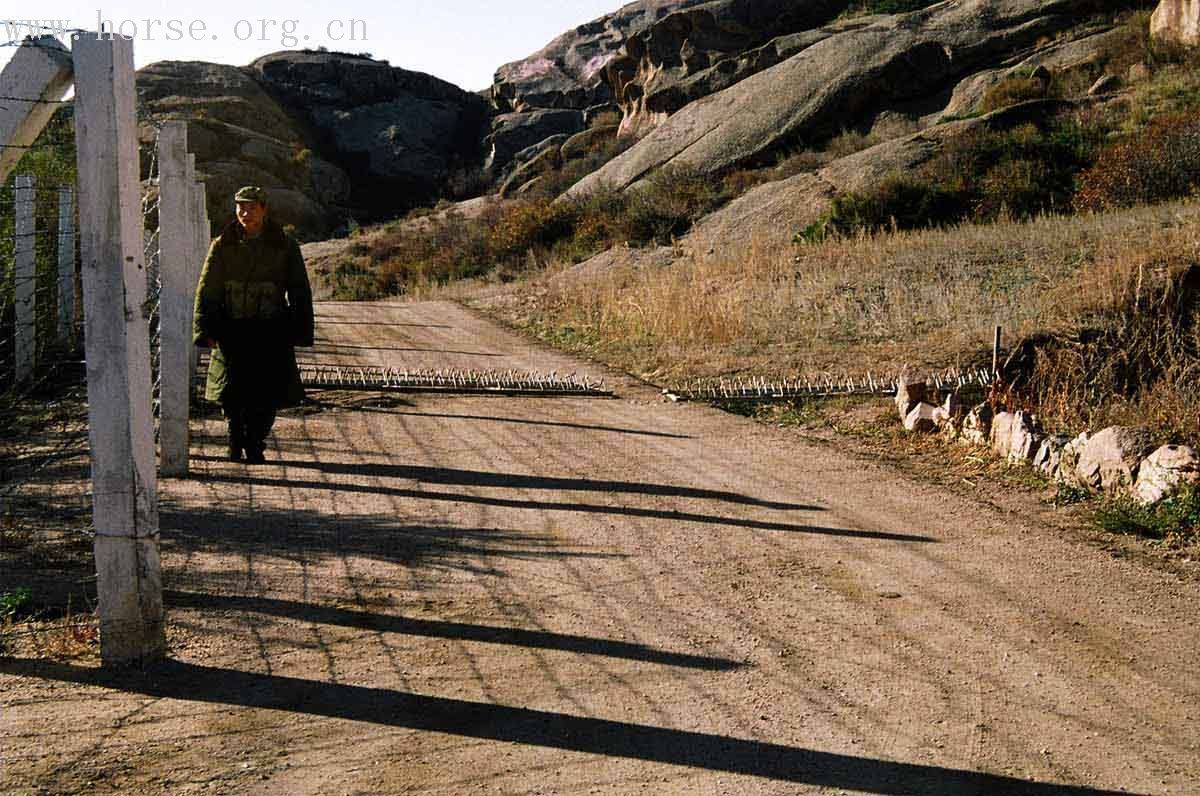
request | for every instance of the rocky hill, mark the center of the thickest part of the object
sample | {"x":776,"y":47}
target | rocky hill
{"x":334,"y":136}
{"x":707,"y":85}
{"x":850,"y":74}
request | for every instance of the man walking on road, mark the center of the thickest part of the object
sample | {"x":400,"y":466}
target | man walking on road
{"x":253,"y":304}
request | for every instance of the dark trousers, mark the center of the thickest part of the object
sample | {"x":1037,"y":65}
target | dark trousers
{"x":248,"y":427}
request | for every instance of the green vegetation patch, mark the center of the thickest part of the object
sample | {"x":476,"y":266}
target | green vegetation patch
{"x":1174,"y":519}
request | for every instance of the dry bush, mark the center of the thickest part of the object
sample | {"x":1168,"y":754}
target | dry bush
{"x":1161,"y":162}
{"x":1128,"y":347}
{"x":1012,"y":90}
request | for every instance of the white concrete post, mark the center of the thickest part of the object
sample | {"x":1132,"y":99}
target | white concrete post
{"x":120,"y":422}
{"x":176,"y":245}
{"x":195,"y":259}
{"x":37,"y":76}
{"x":24,"y":276}
{"x":66,"y":265}
{"x":200,"y":243}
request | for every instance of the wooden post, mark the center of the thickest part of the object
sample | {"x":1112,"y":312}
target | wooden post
{"x":176,"y":246}
{"x":66,"y":265}
{"x":24,"y":276}
{"x":120,"y":422}
{"x":996,"y":354}
{"x":32,"y":83}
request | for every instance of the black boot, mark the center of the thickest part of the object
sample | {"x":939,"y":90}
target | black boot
{"x":258,"y":425}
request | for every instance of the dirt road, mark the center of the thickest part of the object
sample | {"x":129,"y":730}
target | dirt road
{"x":456,"y":595}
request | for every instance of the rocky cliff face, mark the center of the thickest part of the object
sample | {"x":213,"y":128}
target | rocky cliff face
{"x":400,"y":133}
{"x":567,"y":72}
{"x":241,"y":135}
{"x":842,"y":75}
{"x":301,"y":123}
{"x":696,"y":51}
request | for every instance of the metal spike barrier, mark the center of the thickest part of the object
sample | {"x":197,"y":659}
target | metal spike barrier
{"x":759,"y":389}
{"x":464,"y":382}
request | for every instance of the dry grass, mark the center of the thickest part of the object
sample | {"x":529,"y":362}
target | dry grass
{"x":929,"y":298}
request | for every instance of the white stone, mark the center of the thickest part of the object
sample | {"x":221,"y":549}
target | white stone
{"x":1165,"y":470}
{"x":977,"y":425}
{"x":910,"y":391}
{"x":1110,"y":459}
{"x":1049,"y":454}
{"x":921,"y":419}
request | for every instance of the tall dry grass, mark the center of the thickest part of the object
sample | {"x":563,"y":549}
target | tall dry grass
{"x":928,"y":298}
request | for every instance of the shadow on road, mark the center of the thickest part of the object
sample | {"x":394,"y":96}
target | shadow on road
{"x":551,"y":423}
{"x":175,"y":680}
{"x":383,"y":623}
{"x":298,"y":534}
{"x":444,"y":475}
{"x":538,"y":505}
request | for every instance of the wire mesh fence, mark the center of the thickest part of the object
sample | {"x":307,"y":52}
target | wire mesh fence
{"x":45,"y":507}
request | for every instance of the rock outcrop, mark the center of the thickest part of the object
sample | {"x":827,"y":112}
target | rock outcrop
{"x":567,"y":72}
{"x":696,"y":51}
{"x":865,"y":67}
{"x":1176,"y":21}
{"x":516,"y":138}
{"x":241,"y":135}
{"x":400,"y":133}
{"x":300,"y":122}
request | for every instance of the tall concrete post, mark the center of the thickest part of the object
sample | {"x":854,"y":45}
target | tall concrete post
{"x":66,"y":265}
{"x":24,"y":276}
{"x":176,"y":243}
{"x":120,"y":422}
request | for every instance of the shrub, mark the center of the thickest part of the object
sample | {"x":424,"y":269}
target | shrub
{"x":889,"y":6}
{"x":979,"y":176}
{"x":900,"y":201}
{"x":1013,"y":90}
{"x":1162,"y":162}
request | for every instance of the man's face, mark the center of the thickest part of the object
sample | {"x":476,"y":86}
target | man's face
{"x":250,"y":215}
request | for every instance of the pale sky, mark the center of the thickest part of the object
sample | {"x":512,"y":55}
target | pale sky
{"x":462,"y":41}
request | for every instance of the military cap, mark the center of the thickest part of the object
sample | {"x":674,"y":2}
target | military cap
{"x":250,"y":193}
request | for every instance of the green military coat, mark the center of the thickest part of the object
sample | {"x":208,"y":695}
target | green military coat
{"x":254,"y":300}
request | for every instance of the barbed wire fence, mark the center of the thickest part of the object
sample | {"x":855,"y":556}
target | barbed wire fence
{"x":127,"y":300}
{"x":45,"y":518}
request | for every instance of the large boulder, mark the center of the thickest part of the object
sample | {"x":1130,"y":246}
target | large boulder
{"x":1068,"y":461}
{"x":567,"y":72}
{"x":1048,"y":458}
{"x":1061,"y":55}
{"x":401,"y":133}
{"x":1110,"y":459}
{"x":696,"y":51}
{"x":1164,"y":471}
{"x":772,"y":213}
{"x":840,"y":81}
{"x":1176,"y":21}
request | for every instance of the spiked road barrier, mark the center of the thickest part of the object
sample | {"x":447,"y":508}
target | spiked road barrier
{"x":761,"y":389}
{"x":462,"y":382}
